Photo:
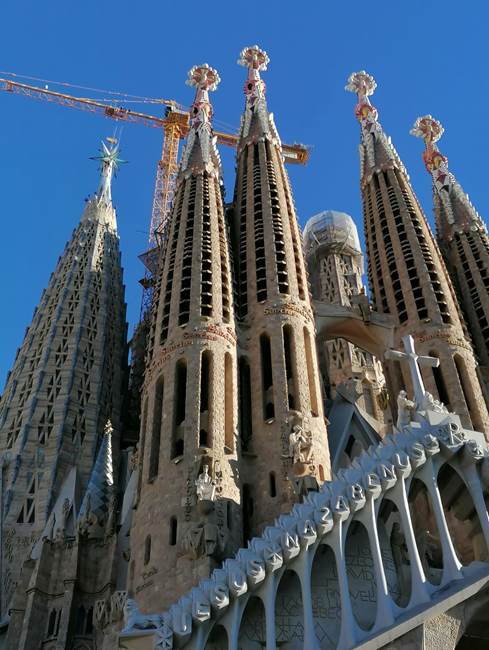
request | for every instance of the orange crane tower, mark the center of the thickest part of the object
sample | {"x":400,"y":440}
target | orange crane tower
{"x":175,"y":126}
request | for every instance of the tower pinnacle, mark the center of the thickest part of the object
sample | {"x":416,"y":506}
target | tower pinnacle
{"x":378,"y":152}
{"x":431,"y":130}
{"x":363,"y":84}
{"x":255,"y":59}
{"x":257,"y":123}
{"x":456,"y":204}
{"x":204,"y":79}
{"x":109,"y":161}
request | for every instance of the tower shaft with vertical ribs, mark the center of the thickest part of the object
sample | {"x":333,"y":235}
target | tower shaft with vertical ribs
{"x":407,"y":275}
{"x":188,"y":502}
{"x":279,"y":382}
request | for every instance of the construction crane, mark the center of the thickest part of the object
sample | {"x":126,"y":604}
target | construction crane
{"x":175,"y":126}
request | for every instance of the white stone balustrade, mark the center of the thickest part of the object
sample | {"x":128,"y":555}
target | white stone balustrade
{"x":300,"y":614}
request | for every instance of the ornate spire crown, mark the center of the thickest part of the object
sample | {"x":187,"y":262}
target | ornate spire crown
{"x":205,"y":79}
{"x":431,"y":130}
{"x":256,"y":60}
{"x":363,"y":84}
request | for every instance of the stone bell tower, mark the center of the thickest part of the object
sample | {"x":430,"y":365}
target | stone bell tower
{"x":282,"y":425}
{"x":188,"y":514}
{"x":463,"y":239}
{"x":406,"y":272}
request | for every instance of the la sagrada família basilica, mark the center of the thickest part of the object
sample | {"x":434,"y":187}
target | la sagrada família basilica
{"x":292,"y":459}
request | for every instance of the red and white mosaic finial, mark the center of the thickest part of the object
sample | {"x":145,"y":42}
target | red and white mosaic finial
{"x":256,"y":60}
{"x":428,"y":128}
{"x":462,"y":213}
{"x":431,"y":130}
{"x":363,"y":84}
{"x":205,"y":79}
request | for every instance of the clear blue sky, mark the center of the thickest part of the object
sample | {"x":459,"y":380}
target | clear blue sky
{"x":427,"y":57}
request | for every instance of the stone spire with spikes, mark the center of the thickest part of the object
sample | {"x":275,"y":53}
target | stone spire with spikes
{"x":463,"y":239}
{"x":97,"y":508}
{"x":406,"y":271}
{"x":67,"y":378}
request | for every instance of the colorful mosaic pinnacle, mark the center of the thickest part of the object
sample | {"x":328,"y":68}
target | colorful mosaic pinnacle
{"x":205,"y":79}
{"x":255,"y":60}
{"x":428,"y":128}
{"x":361,"y":83}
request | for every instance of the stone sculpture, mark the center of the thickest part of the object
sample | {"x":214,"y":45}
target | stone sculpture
{"x":299,"y":445}
{"x":205,"y":485}
{"x":405,"y":407}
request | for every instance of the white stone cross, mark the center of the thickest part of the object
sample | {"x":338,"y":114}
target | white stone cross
{"x":414,"y":362}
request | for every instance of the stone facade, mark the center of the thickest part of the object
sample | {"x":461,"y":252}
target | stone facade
{"x":233,"y":445}
{"x":406,"y":272}
{"x":354,"y":565}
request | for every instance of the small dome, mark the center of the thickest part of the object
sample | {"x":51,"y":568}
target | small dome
{"x":331,"y":227}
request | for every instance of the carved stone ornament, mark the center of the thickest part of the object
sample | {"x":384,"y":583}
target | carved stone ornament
{"x":135,"y":620}
{"x":204,"y":539}
{"x":88,"y":520}
{"x":100,"y":614}
{"x":117,"y":604}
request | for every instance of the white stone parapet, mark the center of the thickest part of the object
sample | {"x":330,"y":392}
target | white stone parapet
{"x":324,"y":518}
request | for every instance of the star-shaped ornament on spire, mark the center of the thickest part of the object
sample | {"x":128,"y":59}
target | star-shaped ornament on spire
{"x":109,"y":162}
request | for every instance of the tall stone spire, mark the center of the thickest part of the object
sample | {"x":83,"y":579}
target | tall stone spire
{"x":282,"y":425}
{"x":463,"y":239}
{"x":407,"y":275}
{"x":188,"y":515}
{"x":66,"y":380}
